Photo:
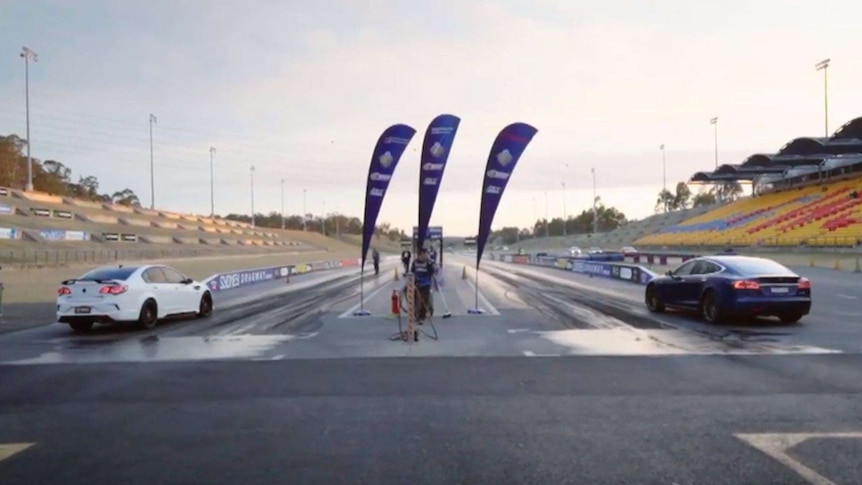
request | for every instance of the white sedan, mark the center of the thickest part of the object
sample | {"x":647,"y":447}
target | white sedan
{"x":141,"y":294}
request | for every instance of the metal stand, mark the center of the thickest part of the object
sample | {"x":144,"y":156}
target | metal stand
{"x":362,"y":312}
{"x":476,"y":310}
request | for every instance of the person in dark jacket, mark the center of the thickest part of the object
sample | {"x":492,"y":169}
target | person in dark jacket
{"x":405,"y":260}
{"x":424,"y":271}
{"x":375,"y":258}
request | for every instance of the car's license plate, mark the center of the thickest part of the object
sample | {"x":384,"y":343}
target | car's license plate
{"x":82,"y":309}
{"x":781,"y":290}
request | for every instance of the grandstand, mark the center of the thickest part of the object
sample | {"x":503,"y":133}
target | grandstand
{"x":34,"y":223}
{"x":807,"y":194}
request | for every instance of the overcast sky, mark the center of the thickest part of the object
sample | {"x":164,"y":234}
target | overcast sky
{"x":302,"y":89}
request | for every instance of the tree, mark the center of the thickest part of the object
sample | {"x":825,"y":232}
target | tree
{"x":727,"y":191}
{"x":126,"y":197}
{"x":703,"y":199}
{"x":665,"y":201}
{"x":682,"y":198}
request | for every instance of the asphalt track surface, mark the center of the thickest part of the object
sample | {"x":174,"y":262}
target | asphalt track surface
{"x":563,"y":379}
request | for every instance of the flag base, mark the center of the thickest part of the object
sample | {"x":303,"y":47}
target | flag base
{"x":361,"y":313}
{"x":475,"y":311}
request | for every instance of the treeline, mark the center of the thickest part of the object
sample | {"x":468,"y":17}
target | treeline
{"x":606,"y":219}
{"x":52,"y":176}
{"x":334,"y":225}
{"x":682,"y":197}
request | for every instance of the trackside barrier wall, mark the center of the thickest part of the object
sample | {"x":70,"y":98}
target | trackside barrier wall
{"x":619,"y":271}
{"x":239,"y":279}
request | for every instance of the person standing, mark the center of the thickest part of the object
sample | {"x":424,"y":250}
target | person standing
{"x":375,"y":258}
{"x":424,"y":271}
{"x":405,"y":260}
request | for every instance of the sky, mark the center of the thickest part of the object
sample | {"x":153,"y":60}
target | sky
{"x":301,"y":90}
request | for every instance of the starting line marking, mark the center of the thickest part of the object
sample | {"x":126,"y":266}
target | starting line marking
{"x":9,"y":449}
{"x":776,"y":445}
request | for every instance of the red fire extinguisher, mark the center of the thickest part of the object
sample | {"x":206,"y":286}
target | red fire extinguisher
{"x":396,"y":307}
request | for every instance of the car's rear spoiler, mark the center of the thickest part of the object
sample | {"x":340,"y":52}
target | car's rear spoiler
{"x":98,"y":282}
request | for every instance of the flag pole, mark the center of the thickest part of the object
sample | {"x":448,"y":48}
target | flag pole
{"x":362,"y":312}
{"x":476,"y":310}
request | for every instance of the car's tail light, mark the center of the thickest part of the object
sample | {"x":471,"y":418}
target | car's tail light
{"x":113,"y":290}
{"x":804,"y":284}
{"x":64,"y":291}
{"x":746,"y":285}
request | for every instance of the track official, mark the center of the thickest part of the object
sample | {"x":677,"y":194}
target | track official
{"x":424,"y":272}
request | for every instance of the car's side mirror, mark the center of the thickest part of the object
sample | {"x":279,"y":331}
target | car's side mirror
{"x":669,"y":273}
{"x":187,"y":281}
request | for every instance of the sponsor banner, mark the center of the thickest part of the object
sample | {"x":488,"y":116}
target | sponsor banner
{"x":77,"y":236}
{"x":111,"y":236}
{"x":390,"y":146}
{"x":52,"y":234}
{"x":129,"y":237}
{"x":521,"y":259}
{"x":7,"y":209}
{"x":505,"y":153}
{"x":593,"y":268}
{"x":62,"y":214}
{"x":507,"y":258}
{"x":40,"y":212}
{"x":349,"y":262}
{"x":563,"y":263}
{"x":8,"y":233}
{"x":435,"y":153}
{"x":236,"y":279}
{"x":433,"y":233}
{"x":4,"y":191}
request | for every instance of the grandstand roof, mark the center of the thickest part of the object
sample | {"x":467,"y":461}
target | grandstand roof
{"x":796,"y":159}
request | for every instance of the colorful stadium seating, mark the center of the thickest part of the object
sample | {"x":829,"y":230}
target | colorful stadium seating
{"x":817,"y":215}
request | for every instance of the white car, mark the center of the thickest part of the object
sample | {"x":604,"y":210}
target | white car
{"x":595,"y":250}
{"x":140,"y":294}
{"x":575,"y":251}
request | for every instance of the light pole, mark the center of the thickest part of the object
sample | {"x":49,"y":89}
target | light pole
{"x":547,"y":225}
{"x":595,"y":213}
{"x":252,"y":197}
{"x":534,"y":218}
{"x":152,"y":168}
{"x":28,"y":56}
{"x":714,"y":122}
{"x":564,"y":210}
{"x":282,"y":204}
{"x":663,"y":168}
{"x":823,"y":66}
{"x":323,"y":220}
{"x":304,"y":212}
{"x":212,"y":184}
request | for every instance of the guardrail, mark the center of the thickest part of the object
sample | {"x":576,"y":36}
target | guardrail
{"x":617,"y":270}
{"x":239,"y":279}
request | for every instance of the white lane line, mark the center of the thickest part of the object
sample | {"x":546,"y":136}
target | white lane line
{"x":530,"y":353}
{"x":517,"y":330}
{"x":776,"y":446}
{"x":279,"y":357}
{"x":490,"y":310}
{"x":368,"y":296}
{"x":9,"y":449}
{"x":847,"y":297}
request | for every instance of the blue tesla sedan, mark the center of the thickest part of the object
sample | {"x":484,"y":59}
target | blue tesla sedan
{"x":725,"y":287}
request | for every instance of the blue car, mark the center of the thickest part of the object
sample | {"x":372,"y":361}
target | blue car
{"x":727,"y":287}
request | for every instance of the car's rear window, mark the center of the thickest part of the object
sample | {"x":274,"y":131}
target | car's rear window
{"x":754,"y":266}
{"x":104,"y":274}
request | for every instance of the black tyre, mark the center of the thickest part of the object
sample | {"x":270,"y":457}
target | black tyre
{"x":149,"y":316}
{"x":710,"y":307}
{"x":790,"y":317}
{"x":206,"y":306}
{"x":81,"y":327}
{"x":653,"y":303}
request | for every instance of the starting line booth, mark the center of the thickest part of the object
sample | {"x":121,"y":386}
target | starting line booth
{"x":433,"y":240}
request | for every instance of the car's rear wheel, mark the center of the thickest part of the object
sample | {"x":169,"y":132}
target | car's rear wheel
{"x":790,"y":317}
{"x":710,"y":307}
{"x":653,"y":303}
{"x":149,"y":316}
{"x":81,"y":327}
{"x":205,"y":308}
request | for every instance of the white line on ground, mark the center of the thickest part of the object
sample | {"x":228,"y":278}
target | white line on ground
{"x":9,"y":449}
{"x":848,"y":297}
{"x":490,"y":310}
{"x":517,"y":330}
{"x":776,"y":446}
{"x":349,"y":312}
{"x":530,"y":353}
